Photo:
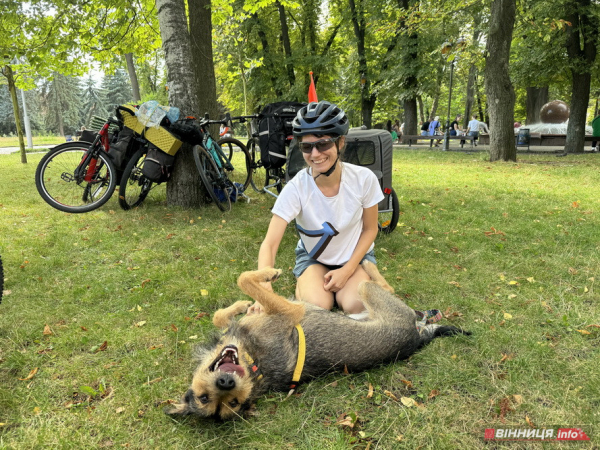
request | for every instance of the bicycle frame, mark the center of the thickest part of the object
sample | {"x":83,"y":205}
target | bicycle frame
{"x":101,"y":138}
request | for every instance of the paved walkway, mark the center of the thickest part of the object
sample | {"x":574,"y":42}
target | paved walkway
{"x":9,"y":150}
{"x":533,"y":149}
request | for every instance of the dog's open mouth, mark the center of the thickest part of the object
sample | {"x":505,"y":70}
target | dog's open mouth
{"x":228,"y":362}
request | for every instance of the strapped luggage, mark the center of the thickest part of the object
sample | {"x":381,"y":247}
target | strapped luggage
{"x":121,"y":149}
{"x":275,"y":130}
{"x":157,"y":165}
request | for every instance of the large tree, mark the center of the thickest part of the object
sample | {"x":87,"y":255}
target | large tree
{"x":185,"y":52}
{"x":499,"y":88}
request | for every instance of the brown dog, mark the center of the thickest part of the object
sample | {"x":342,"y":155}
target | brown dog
{"x":260,"y":352}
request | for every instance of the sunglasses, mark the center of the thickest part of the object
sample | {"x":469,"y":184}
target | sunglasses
{"x":321,"y":145}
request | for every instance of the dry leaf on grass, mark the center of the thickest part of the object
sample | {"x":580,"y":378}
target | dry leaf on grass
{"x":47,"y":331}
{"x":370,"y":393}
{"x":31,"y":375}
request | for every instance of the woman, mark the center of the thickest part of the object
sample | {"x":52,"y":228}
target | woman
{"x":335,"y":206}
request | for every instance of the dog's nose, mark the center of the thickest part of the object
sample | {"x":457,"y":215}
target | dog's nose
{"x":225,"y":382}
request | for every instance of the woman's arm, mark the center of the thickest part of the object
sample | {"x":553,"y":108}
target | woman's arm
{"x":336,"y":279}
{"x":270,"y":245}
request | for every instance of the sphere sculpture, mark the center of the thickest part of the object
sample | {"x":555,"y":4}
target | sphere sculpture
{"x":555,"y":111}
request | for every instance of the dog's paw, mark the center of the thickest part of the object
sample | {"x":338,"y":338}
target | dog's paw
{"x":271,"y":274}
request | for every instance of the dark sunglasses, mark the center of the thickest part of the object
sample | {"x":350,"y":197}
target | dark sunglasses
{"x":321,"y":145}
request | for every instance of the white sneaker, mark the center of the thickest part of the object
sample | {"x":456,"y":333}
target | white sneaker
{"x":594,"y":149}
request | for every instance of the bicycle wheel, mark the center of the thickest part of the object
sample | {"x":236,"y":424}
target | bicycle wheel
{"x":388,"y":220}
{"x":134,"y":186}
{"x":57,"y":183}
{"x":259,"y":174}
{"x":216,"y":183}
{"x":240,"y":160}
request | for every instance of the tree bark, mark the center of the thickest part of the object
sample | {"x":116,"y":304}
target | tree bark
{"x":422,"y":113}
{"x":184,"y":188}
{"x":536,"y":98}
{"x":582,"y":54}
{"x":287,"y":46}
{"x":8,"y":73}
{"x":499,"y":89}
{"x":135,"y":86}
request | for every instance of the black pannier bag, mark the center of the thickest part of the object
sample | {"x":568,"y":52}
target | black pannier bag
{"x":120,"y":150}
{"x":274,"y":131}
{"x":157,"y":165}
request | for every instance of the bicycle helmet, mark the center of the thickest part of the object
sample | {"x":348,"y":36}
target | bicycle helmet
{"x":320,"y":118}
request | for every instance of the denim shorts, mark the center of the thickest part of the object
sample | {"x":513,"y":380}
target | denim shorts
{"x":303,"y":260}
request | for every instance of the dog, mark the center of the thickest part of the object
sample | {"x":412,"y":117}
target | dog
{"x":260,"y":352}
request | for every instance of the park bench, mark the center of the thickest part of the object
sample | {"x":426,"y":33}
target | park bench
{"x":410,"y":139}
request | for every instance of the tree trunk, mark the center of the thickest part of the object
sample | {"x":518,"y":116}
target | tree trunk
{"x":287,"y":46}
{"x":583,"y":24}
{"x":410,"y":117}
{"x":135,"y":86}
{"x":8,"y":73}
{"x":536,"y":98}
{"x":366,"y":100}
{"x":422,"y":113}
{"x":470,"y":100}
{"x":268,"y":58}
{"x":499,"y":89}
{"x":184,"y":188}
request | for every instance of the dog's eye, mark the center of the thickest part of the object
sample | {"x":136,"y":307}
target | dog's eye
{"x":203,"y":399}
{"x":233,"y":403}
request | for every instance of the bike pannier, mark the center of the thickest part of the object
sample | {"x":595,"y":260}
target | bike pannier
{"x":275,"y":130}
{"x":119,"y":150}
{"x":157,"y":165}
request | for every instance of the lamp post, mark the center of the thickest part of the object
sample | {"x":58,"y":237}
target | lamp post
{"x":447,"y":48}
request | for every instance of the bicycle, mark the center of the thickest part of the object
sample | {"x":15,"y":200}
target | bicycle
{"x":80,"y":176}
{"x":226,"y":169}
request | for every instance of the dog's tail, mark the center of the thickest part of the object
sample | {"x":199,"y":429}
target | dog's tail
{"x":431,"y":331}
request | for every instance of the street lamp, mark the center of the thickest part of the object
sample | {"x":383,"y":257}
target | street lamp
{"x":447,"y":48}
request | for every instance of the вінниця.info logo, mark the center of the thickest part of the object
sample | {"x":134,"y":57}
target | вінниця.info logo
{"x":536,"y":434}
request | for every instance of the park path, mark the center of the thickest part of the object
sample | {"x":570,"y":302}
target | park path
{"x":9,"y":150}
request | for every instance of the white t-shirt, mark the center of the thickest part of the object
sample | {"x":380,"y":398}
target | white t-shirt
{"x":474,"y":125}
{"x":329,"y":227}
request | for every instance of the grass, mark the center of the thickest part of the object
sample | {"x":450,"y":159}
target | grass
{"x":108,"y":305}
{"x":13,"y":141}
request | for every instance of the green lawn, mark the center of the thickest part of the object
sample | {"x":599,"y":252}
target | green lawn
{"x":37,"y":140}
{"x":101,"y":312}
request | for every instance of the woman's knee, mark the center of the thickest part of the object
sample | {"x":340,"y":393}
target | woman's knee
{"x":309,"y":287}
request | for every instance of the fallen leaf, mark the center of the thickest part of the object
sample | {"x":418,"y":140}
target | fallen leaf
{"x":529,"y":422}
{"x":531,"y":280}
{"x":370,"y":393}
{"x":145,"y":282}
{"x":203,"y":292}
{"x":103,"y":346}
{"x":399,"y":438}
{"x":573,"y":271}
{"x":347,"y":420}
{"x":518,"y":399}
{"x":37,"y":410}
{"x":432,"y":394}
{"x":47,"y":331}
{"x":174,"y":328}
{"x":120,"y":410}
{"x":593,"y":325}
{"x":408,"y":402}
{"x":407,"y":383}
{"x":507,"y":316}
{"x":200,"y":315}
{"x":31,"y":375}
{"x":170,"y":235}
{"x":584,"y":332}
{"x":575,"y":204}
{"x":391,"y":395}
{"x":140,"y":324}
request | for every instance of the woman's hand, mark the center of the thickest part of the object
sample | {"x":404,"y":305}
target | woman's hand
{"x":336,"y":279}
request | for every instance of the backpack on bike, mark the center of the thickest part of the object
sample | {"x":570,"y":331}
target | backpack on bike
{"x":158,"y":165}
{"x":274,"y":131}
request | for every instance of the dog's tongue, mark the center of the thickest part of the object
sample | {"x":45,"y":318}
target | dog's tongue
{"x":232,"y":368}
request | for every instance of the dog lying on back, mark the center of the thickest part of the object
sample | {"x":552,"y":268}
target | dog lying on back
{"x":260,"y":352}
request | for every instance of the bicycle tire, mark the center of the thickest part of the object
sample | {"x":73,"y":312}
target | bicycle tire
{"x":259,"y":176}
{"x":238,"y":155}
{"x":211,"y":178}
{"x":56,"y":183}
{"x":134,"y":186}
{"x":387,"y":221}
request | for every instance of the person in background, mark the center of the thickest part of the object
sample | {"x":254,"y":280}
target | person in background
{"x":425,"y":128}
{"x":473,"y":129}
{"x":434,"y":129}
{"x":224,"y":131}
{"x":596,"y":133}
{"x":455,"y":128}
{"x":483,"y":128}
